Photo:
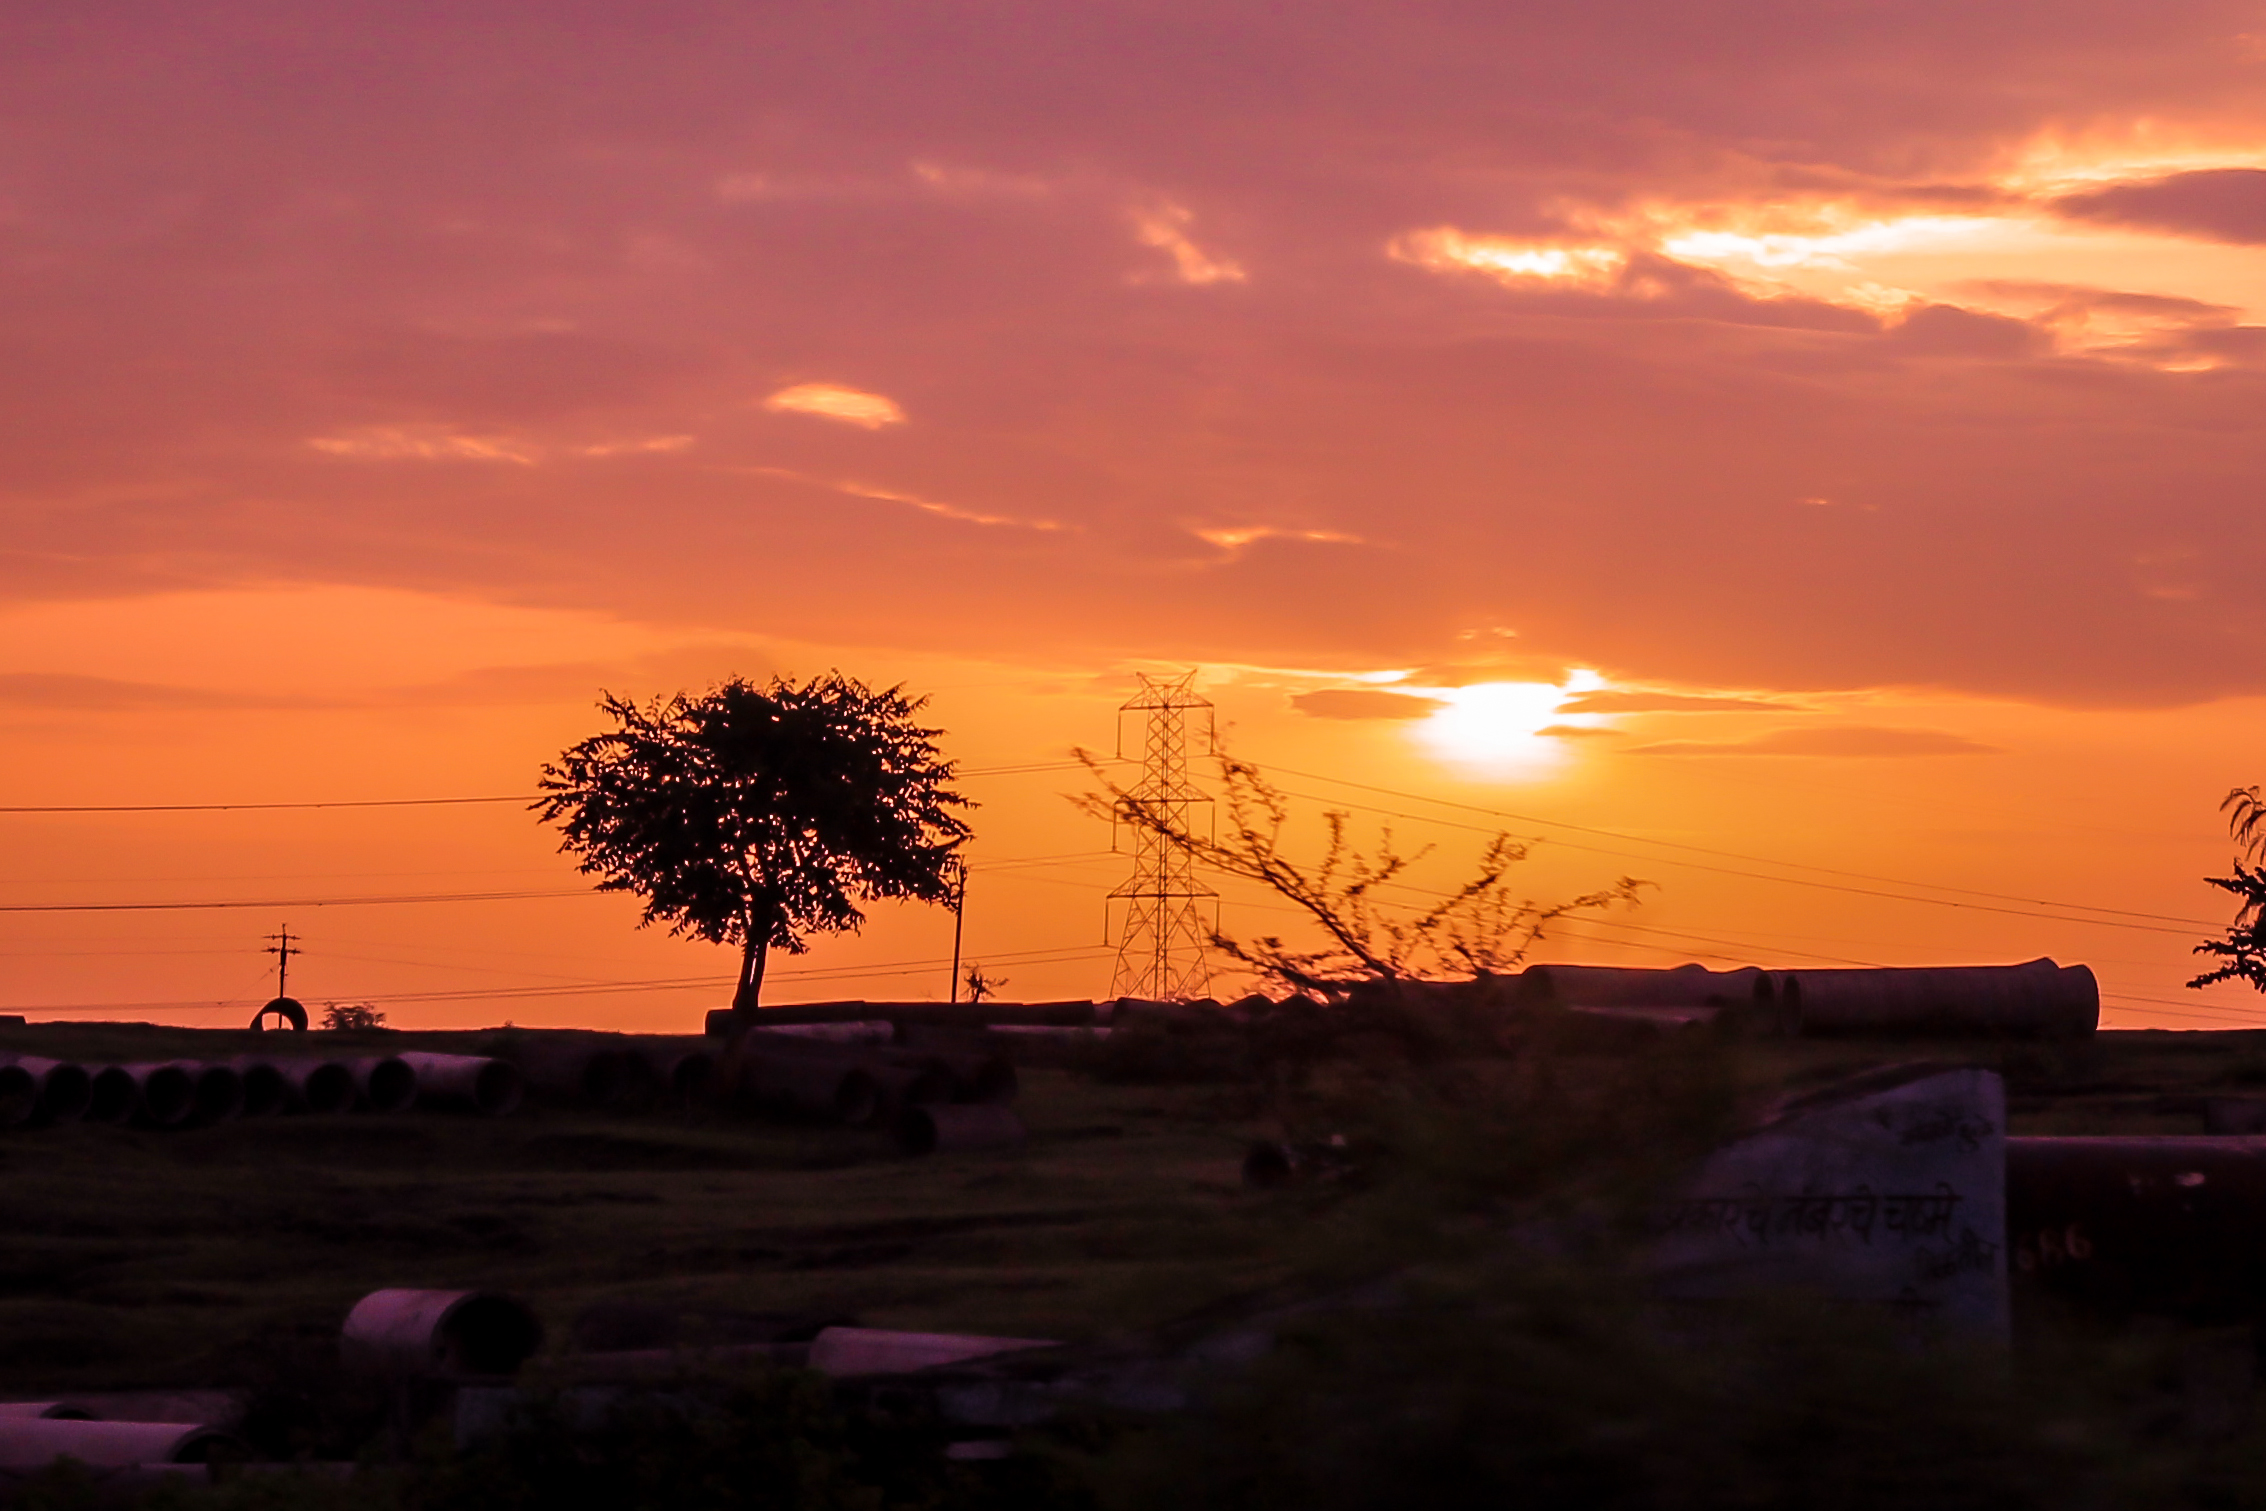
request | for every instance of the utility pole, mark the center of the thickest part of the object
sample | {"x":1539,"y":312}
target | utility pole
{"x":1160,"y":954}
{"x":959,"y":916}
{"x":282,"y":949}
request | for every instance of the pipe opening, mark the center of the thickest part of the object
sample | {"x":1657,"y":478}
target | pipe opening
{"x":112,"y":1095}
{"x":65,"y":1093}
{"x":216,"y":1095}
{"x":327,"y":1089}
{"x":19,"y":1096}
{"x":488,"y":1335}
{"x":168,"y":1095}
{"x":388,"y":1085}
{"x":266,"y":1091}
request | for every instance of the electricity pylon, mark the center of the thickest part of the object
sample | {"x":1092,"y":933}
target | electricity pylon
{"x":1160,"y":954}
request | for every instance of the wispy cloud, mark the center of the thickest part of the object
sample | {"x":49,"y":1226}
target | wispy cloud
{"x":855,"y":489}
{"x":1165,"y":227}
{"x":1848,"y":741}
{"x":1364,"y":703}
{"x":833,"y":401}
{"x":381,"y":443}
{"x":1235,"y":537}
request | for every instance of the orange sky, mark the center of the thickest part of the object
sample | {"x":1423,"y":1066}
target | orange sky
{"x":1841,"y":427}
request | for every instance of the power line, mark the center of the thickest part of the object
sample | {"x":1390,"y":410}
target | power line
{"x":382,"y":802}
{"x":1638,"y":839}
{"x":284,"y":902}
{"x":416,"y":802}
{"x":1791,"y":881}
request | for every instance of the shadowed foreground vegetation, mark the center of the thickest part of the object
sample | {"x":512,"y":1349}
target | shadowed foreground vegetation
{"x":1501,"y":1179}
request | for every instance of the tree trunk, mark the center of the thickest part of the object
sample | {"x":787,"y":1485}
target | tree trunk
{"x":752,"y":961}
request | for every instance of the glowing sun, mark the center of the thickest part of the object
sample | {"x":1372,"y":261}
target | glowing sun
{"x":1501,"y":723}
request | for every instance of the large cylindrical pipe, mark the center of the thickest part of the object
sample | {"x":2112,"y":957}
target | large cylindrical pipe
{"x":414,"y":1334}
{"x":321,"y":1088}
{"x":975,"y":1077}
{"x":35,"y":1442}
{"x":19,"y":1096}
{"x":267,"y":1090}
{"x":2171,"y":1223}
{"x":113,"y":1094}
{"x":217,"y":1093}
{"x":383,"y":1083}
{"x":957,"y":1128}
{"x":2038,"y":999}
{"x":875,"y":1351}
{"x":165,"y":1093}
{"x":53,"y":1411}
{"x":1643,"y":986}
{"x":64,"y":1088}
{"x":837,"y":1091}
{"x":903,"y":1086}
{"x":596,"y":1071}
{"x":466,"y":1083}
{"x":683,"y":1066}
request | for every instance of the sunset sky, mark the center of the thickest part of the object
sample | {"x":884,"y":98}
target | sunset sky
{"x":1807,"y":456}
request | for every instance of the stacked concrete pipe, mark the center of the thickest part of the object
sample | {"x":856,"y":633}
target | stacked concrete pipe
{"x":383,"y":1084}
{"x":1747,"y":987}
{"x":590,"y":1070}
{"x":62,"y":1089}
{"x":466,"y":1083}
{"x":2037,"y":999}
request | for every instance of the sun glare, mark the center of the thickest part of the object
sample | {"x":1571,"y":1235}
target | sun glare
{"x":1500,"y":723}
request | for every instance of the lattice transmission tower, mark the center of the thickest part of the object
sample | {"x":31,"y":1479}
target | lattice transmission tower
{"x":1160,"y":954}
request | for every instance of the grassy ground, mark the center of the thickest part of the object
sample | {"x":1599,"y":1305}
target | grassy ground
{"x":131,"y":1257}
{"x":135,"y":1258}
{"x":229,"y":1255}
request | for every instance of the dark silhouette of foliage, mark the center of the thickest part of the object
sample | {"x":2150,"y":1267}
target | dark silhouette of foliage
{"x":2243,"y":950}
{"x":1479,"y":928}
{"x":759,"y":815}
{"x":339,"y":1016}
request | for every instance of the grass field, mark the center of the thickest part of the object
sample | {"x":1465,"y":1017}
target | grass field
{"x":227,"y":1256}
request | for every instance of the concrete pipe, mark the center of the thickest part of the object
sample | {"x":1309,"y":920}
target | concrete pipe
{"x":2038,"y":999}
{"x":217,"y":1093}
{"x":467,"y":1083}
{"x":601,"y":1072}
{"x":837,"y":1091}
{"x":53,"y":1411}
{"x":903,"y":1086}
{"x":975,"y":1077}
{"x":412,"y":1334}
{"x":958,"y":1128}
{"x":875,"y":1351}
{"x":1639,"y":986}
{"x":2169,"y":1224}
{"x":165,"y":1094}
{"x":320,"y":1088}
{"x":113,"y":1094}
{"x":36,"y":1442}
{"x":19,"y":1096}
{"x":383,"y":1083}
{"x":683,"y":1066}
{"x":267,"y":1091}
{"x":65,"y":1088}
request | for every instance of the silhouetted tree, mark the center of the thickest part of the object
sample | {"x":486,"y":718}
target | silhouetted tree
{"x":758,"y":816}
{"x":2243,"y":950}
{"x":1482,"y":926}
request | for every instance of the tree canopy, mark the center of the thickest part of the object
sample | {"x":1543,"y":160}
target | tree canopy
{"x":758,"y":816}
{"x":2242,"y":952}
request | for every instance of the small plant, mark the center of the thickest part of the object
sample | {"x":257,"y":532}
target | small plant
{"x":981,"y":986}
{"x":340,"y":1016}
